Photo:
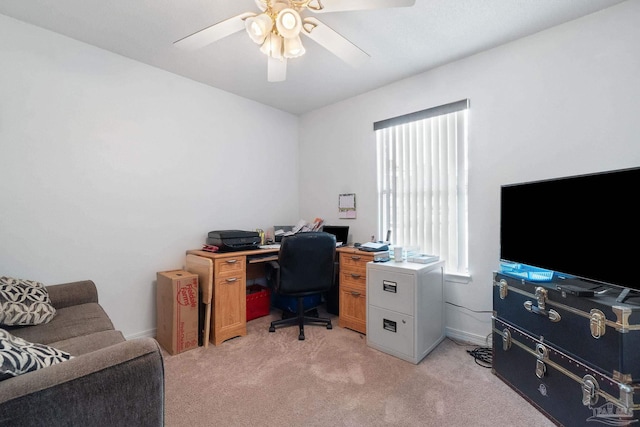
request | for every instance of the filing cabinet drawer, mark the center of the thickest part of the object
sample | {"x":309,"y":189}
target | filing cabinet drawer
{"x":390,"y":330}
{"x":392,"y":290}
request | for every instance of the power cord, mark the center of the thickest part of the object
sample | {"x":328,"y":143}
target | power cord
{"x":467,"y":308}
{"x":482,"y":356}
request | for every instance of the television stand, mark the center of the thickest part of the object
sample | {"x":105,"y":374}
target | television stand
{"x":548,"y":336}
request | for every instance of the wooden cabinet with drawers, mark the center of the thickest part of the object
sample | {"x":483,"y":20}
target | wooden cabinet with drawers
{"x":353,"y":288}
{"x":224,"y":282}
{"x":229,"y":317}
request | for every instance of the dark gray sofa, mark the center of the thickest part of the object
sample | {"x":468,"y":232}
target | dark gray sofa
{"x":109,"y":382}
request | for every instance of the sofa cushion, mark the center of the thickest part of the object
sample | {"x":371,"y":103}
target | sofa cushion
{"x":87,"y":343}
{"x":18,"y":356}
{"x":24,"y":302}
{"x":70,"y":322}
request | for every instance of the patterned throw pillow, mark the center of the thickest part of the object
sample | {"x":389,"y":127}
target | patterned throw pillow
{"x":24,"y":302}
{"x":18,"y":356}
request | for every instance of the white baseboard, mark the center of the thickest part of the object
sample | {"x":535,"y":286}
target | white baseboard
{"x":463,"y":336}
{"x":454,"y":334}
{"x":151,"y":333}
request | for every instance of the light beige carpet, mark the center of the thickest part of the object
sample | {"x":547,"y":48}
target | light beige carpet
{"x":333,"y":379}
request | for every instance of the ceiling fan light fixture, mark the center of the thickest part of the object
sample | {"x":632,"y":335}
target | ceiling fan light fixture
{"x":288,"y":23}
{"x":258,"y":27}
{"x":272,"y":46}
{"x":293,"y":47}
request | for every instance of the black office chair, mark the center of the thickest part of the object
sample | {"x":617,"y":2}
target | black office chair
{"x":304,"y":267}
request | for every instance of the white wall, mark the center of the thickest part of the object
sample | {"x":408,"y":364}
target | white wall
{"x":110,"y":169}
{"x":564,"y":101}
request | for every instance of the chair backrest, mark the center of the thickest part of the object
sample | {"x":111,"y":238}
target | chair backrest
{"x":306,"y":263}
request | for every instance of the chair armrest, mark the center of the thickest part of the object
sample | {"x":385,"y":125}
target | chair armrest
{"x":73,"y":293}
{"x":272,"y":272}
{"x":274,"y":265}
{"x":120,"y":385}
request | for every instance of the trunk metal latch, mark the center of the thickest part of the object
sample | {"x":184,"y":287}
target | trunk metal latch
{"x":597,"y":323}
{"x":542,"y":354}
{"x":506,"y":339}
{"x":541,"y":296}
{"x":590,"y":388}
{"x":504,"y":289}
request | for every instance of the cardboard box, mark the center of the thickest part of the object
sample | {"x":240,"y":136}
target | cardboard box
{"x":177,"y":304}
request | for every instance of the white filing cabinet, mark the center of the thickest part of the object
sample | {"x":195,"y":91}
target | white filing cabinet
{"x":405,"y":308}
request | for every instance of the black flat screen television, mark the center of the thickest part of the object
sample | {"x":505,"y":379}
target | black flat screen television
{"x":585,"y":226}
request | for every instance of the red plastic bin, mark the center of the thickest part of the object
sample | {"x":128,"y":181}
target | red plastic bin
{"x":258,"y":301}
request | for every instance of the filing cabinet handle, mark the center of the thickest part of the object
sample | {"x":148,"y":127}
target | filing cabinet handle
{"x":232,"y":261}
{"x":355,"y":294}
{"x":356,"y":276}
{"x":232,"y":279}
{"x":355,"y":257}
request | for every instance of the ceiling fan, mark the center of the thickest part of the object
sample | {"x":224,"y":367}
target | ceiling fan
{"x":278,"y":25}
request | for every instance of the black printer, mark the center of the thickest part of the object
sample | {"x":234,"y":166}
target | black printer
{"x":234,"y":240}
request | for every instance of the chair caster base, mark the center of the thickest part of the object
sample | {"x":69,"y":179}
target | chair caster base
{"x":329,"y":326}
{"x":301,"y":337}
{"x":272,"y":329}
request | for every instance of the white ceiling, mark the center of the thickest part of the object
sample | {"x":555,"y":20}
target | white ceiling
{"x":401,"y":41}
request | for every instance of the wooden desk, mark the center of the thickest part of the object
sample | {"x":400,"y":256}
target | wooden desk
{"x":223,"y":283}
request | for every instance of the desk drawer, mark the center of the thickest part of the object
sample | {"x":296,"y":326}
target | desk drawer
{"x":354,"y":279}
{"x":231,"y":265}
{"x":353,"y":309}
{"x":354,"y":262}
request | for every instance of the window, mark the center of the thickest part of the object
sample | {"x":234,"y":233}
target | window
{"x":422,"y":182}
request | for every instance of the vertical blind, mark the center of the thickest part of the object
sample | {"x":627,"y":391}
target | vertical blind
{"x":422,"y":182}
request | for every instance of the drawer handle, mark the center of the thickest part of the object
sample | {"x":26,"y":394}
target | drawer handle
{"x":232,"y":261}
{"x":389,"y":286}
{"x":356,"y":276}
{"x":551,"y":314}
{"x":355,"y":294}
{"x":355,"y":257}
{"x":389,"y":325}
{"x":232,"y":279}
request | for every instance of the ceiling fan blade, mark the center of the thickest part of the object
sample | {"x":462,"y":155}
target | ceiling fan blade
{"x":262,"y":4}
{"x":213,"y":33}
{"x":334,"y":42}
{"x":276,"y":70}
{"x":323,"y":6}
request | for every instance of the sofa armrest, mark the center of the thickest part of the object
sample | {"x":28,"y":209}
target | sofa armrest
{"x":74,"y":293}
{"x":120,"y":385}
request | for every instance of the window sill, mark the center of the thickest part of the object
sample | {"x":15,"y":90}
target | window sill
{"x":457,"y":278}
